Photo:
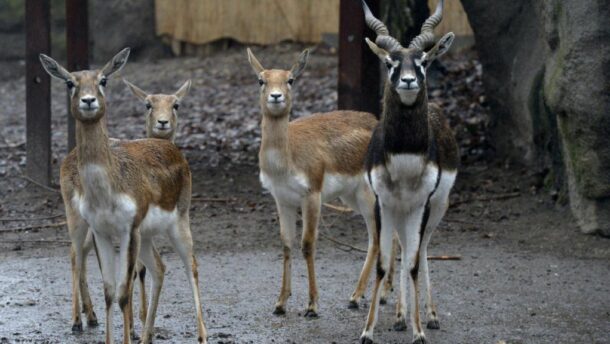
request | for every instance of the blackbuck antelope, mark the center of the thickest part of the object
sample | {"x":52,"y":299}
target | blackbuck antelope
{"x":130,"y":190}
{"x":306,"y":162}
{"x":162,"y":110}
{"x":411,"y":164}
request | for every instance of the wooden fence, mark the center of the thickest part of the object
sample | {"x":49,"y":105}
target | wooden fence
{"x":268,"y":21}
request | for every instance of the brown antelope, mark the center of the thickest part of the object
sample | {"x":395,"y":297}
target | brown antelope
{"x":411,"y":163}
{"x":162,"y":110}
{"x":161,"y":123}
{"x":306,"y":162}
{"x":130,"y":190}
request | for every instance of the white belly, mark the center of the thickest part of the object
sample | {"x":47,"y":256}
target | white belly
{"x":158,"y":220}
{"x":291,"y":188}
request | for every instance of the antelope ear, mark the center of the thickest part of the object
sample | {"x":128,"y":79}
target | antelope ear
{"x":117,"y":63}
{"x":54,"y":68}
{"x":256,"y":66}
{"x":136,"y":90}
{"x":298,"y":68}
{"x":183,"y":90}
{"x":440,"y":48}
{"x":381,"y":53}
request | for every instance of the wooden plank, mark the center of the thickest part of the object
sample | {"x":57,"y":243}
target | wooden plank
{"x":359,"y":78}
{"x":77,"y":45}
{"x":38,"y":92}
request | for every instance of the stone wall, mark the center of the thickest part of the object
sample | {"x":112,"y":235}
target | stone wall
{"x":546,"y":70}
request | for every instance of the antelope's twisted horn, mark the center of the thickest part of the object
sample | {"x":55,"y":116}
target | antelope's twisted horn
{"x":383,"y":40}
{"x":425,"y":39}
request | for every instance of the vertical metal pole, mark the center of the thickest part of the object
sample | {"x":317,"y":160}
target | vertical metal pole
{"x":77,"y":44}
{"x":359,"y":80}
{"x":38,"y":91}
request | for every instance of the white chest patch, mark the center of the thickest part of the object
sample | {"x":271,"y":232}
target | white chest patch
{"x":105,"y":211}
{"x":289,"y":188}
{"x":405,"y":181}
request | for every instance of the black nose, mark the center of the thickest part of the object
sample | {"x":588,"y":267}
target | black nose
{"x":276,"y":95}
{"x":162,"y":122}
{"x":88,"y":100}
{"x":408,"y":81}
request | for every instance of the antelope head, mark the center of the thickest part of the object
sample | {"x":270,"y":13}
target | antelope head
{"x":276,"y":84}
{"x":406,"y":67}
{"x":161,"y":110}
{"x":87,"y":99}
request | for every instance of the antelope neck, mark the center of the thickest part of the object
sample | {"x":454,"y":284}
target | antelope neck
{"x":92,"y":144}
{"x":405,"y":127}
{"x":275,"y":134}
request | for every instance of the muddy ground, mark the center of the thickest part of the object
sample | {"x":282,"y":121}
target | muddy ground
{"x":526,"y":274}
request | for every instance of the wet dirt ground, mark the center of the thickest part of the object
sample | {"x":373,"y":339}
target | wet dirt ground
{"x":526,"y":274}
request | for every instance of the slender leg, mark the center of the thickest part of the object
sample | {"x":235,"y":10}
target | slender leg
{"x":400,"y":324}
{"x":387,"y":286}
{"x":128,"y":255}
{"x":288,"y":218}
{"x":77,"y":229}
{"x":411,"y":264}
{"x":311,"y":216}
{"x":182,"y":241}
{"x":84,"y":287}
{"x":366,"y":206}
{"x":437,"y":210}
{"x":152,"y":260}
{"x":141,"y":274}
{"x":105,"y":251}
{"x":383,"y":264}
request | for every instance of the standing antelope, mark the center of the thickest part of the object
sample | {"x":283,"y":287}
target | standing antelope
{"x":130,"y":190}
{"x":161,"y":123}
{"x":308,"y":161}
{"x":411,"y":164}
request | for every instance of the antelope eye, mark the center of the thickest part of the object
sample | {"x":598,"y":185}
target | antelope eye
{"x":148,"y":106}
{"x":389,"y":65}
{"x":290,"y":81}
{"x":261,"y":82}
{"x":103,"y":82}
{"x":70,"y":84}
{"x":176,"y":106}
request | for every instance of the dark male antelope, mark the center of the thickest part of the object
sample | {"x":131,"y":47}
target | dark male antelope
{"x":306,"y":162}
{"x":411,"y":164}
{"x":130,"y":190}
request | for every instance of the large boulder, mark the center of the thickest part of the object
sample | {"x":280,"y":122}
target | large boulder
{"x":546,"y":68}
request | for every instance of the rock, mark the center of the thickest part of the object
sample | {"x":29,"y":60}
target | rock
{"x":545,"y":72}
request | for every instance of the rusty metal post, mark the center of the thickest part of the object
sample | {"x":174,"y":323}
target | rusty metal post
{"x":77,"y":45}
{"x":359,"y":80}
{"x":37,"y":91}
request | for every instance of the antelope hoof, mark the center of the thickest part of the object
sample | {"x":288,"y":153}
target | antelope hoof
{"x":92,"y":322}
{"x":352,"y":304}
{"x":400,"y":325}
{"x":433,"y":324}
{"x":134,"y":336}
{"x":366,"y":340}
{"x":420,"y":339}
{"x":77,"y":328}
{"x":202,"y":340}
{"x":279,"y":310}
{"x":311,"y":314}
{"x":383,"y":301}
{"x":149,"y":341}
